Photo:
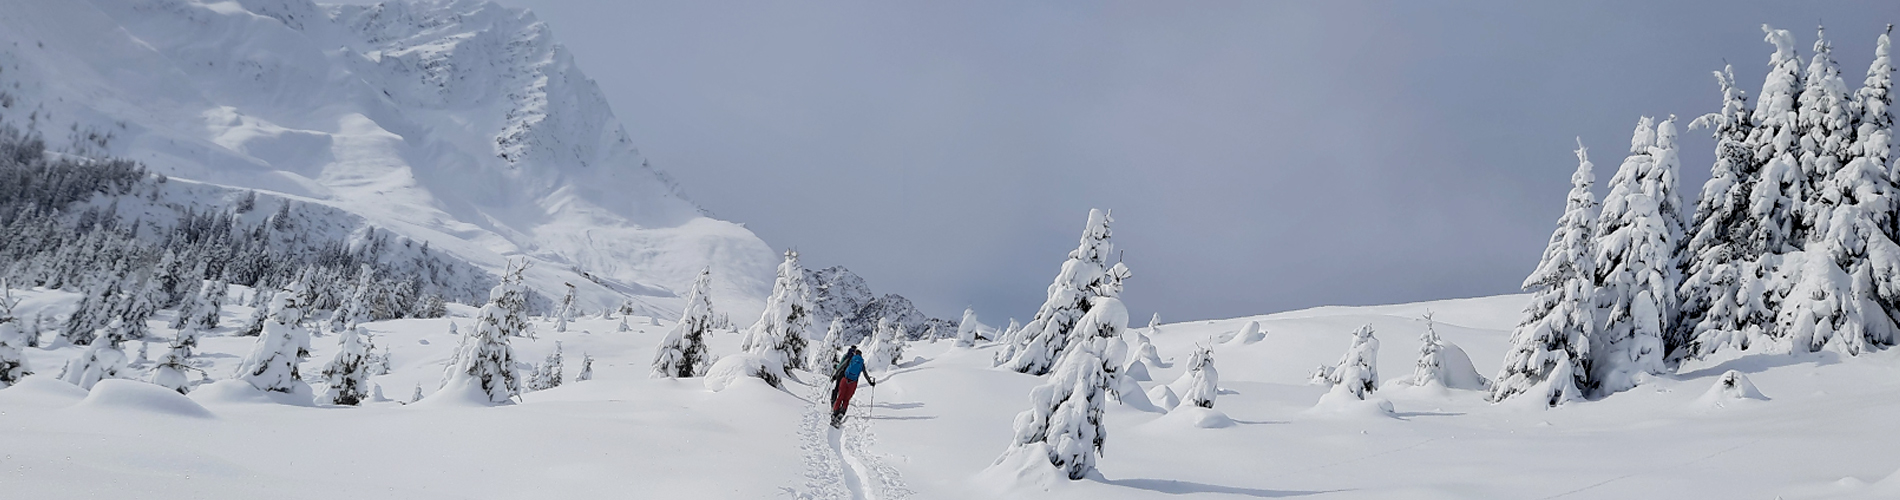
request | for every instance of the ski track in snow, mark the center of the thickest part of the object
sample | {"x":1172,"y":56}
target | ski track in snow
{"x":838,"y":463}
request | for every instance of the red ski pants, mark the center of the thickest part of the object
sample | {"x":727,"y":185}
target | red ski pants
{"x":841,"y":396}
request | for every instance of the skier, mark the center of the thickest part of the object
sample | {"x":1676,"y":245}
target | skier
{"x":845,"y":375}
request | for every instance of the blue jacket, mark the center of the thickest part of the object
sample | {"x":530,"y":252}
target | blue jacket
{"x":853,"y":367}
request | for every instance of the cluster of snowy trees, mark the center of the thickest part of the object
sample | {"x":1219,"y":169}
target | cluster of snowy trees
{"x":61,"y":227}
{"x":1790,"y":247}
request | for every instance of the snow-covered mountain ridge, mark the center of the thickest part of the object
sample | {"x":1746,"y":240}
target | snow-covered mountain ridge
{"x":462,"y":124}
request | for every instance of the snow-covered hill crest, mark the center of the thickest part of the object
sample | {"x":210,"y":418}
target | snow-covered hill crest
{"x":461,"y":123}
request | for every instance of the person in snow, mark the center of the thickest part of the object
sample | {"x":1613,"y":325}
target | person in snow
{"x":845,"y":378}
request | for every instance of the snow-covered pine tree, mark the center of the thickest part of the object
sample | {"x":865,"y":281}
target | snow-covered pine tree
{"x":1357,"y":370}
{"x":587,"y":368}
{"x":346,"y":378}
{"x":188,"y":306}
{"x":1430,"y":367}
{"x":966,"y":329}
{"x":487,"y":358}
{"x":1011,"y":337}
{"x":35,"y":328}
{"x":1780,"y":192}
{"x":1825,"y":121}
{"x":93,"y":312}
{"x":1635,"y":266}
{"x":781,"y":330}
{"x":138,"y":307}
{"x":1086,"y":275}
{"x":104,"y":358}
{"x":1847,"y":282}
{"x":548,"y":374}
{"x":887,"y":346}
{"x":260,"y":314}
{"x":1709,"y":313}
{"x":1203,"y":381}
{"x":824,"y":355}
{"x":1064,"y":420}
{"x":174,"y":367}
{"x":1873,"y":137}
{"x":12,"y":339}
{"x":355,"y":307}
{"x":272,"y":363}
{"x":566,"y":311}
{"x":682,"y":353}
{"x":210,"y":304}
{"x":1552,"y":344}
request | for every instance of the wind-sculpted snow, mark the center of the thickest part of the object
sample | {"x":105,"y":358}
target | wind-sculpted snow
{"x":459,"y":123}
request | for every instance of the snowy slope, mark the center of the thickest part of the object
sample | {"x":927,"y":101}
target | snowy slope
{"x":937,"y":421}
{"x":462,"y":123}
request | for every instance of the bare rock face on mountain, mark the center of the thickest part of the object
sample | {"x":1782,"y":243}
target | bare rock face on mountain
{"x":839,"y":293}
{"x":458,"y":123}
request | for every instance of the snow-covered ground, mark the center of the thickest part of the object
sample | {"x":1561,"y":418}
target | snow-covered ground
{"x":937,"y":421}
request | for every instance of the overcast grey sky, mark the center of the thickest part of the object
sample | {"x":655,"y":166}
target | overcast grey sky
{"x":1258,"y":156}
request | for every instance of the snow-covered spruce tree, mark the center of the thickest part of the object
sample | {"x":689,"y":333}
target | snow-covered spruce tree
{"x":1430,"y":367}
{"x":188,"y":306}
{"x":140,"y":306}
{"x":781,"y":330}
{"x":210,"y":304}
{"x":1357,"y":370}
{"x":966,"y":329}
{"x":1717,"y":250}
{"x":1203,"y":381}
{"x":1847,"y":283}
{"x":94,"y":311}
{"x":272,"y":363}
{"x":1552,"y":344}
{"x":174,"y":367}
{"x":260,"y":314}
{"x":487,"y":359}
{"x":1064,"y":421}
{"x":1635,"y":266}
{"x":355,"y":307}
{"x":682,"y":353}
{"x":104,"y":358}
{"x":823,"y":356}
{"x":1781,"y":190}
{"x":566,"y":310}
{"x":587,"y":368}
{"x":1873,"y":136}
{"x":1825,"y":121}
{"x":1086,"y":275}
{"x":622,"y":327}
{"x":548,"y":374}
{"x":346,"y":378}
{"x":12,"y":339}
{"x":1011,"y":337}
{"x":887,"y":345}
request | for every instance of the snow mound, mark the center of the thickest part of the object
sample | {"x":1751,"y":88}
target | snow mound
{"x":1248,"y":334}
{"x":1340,"y":402}
{"x":731,"y":368}
{"x":1730,"y":388}
{"x":460,"y":392}
{"x":40,"y":391}
{"x":1189,"y":416}
{"x":1164,"y":396}
{"x":241,"y":392}
{"x":1138,"y":370}
{"x":1023,"y":472}
{"x":118,"y":394}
